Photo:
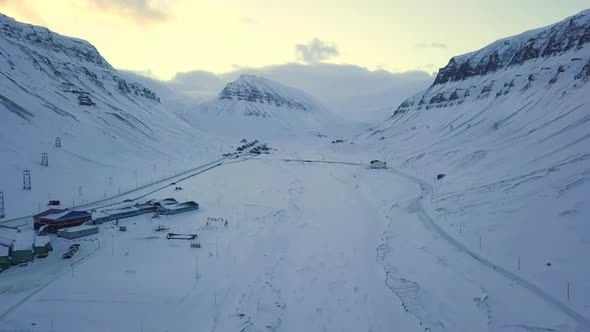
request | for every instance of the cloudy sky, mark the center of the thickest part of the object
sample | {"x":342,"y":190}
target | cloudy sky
{"x":169,"y":36}
{"x":312,"y":44}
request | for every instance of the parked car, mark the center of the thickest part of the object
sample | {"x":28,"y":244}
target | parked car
{"x":43,"y":255}
{"x":173,"y":183}
{"x":23,"y":263}
{"x":178,"y":188}
{"x":67,"y":255}
{"x":75,"y":246}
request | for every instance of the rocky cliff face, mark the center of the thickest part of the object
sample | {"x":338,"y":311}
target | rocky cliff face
{"x":252,"y":89}
{"x":257,"y":107}
{"x":43,"y":38}
{"x":569,"y":35}
{"x":555,"y":59}
{"x":64,"y":60}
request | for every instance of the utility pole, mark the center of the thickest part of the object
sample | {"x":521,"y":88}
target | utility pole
{"x":518,"y":262}
{"x":2,"y":213}
{"x":568,"y":291}
{"x":197,"y":271}
{"x":27,"y":179}
{"x":113,"y":244}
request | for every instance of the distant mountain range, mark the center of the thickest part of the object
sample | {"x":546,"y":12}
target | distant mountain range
{"x":254,"y":105}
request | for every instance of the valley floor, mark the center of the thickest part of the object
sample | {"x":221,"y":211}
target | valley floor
{"x":309,"y":246}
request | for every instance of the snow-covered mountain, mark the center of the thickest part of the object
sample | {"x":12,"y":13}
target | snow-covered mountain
{"x":509,"y":127}
{"x":55,"y":86}
{"x":254,"y":105}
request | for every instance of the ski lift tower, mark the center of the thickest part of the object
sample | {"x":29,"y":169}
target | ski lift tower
{"x":27,"y":179}
{"x":2,"y":213}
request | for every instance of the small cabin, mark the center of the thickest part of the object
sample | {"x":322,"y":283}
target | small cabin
{"x":377,"y":164}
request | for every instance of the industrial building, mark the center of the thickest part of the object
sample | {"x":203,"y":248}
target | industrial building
{"x":58,"y":219}
{"x":178,"y":208}
{"x":7,"y":236}
{"x":41,"y":244}
{"x":22,"y":248}
{"x":100,"y":217}
{"x":4,"y":257}
{"x":77,"y":232}
{"x":43,"y":214}
{"x":124,"y":212}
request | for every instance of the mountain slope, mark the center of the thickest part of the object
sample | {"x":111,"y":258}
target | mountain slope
{"x":509,"y":126}
{"x":254,"y":105}
{"x":55,"y":86}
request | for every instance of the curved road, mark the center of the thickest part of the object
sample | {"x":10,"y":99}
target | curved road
{"x":426,"y":189}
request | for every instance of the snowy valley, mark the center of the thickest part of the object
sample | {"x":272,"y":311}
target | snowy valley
{"x":478,"y":221}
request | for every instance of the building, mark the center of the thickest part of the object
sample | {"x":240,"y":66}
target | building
{"x":22,"y":249}
{"x":146,"y":207}
{"x":4,"y":257}
{"x":59,"y":220}
{"x":377,"y":164}
{"x":100,"y":217}
{"x":56,"y":219}
{"x":7,"y":236}
{"x":178,"y":208}
{"x":43,"y":214}
{"x":77,"y":232}
{"x":41,"y":244}
{"x":123,"y":212}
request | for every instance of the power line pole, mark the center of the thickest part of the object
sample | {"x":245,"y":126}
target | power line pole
{"x":27,"y":179}
{"x":2,"y":213}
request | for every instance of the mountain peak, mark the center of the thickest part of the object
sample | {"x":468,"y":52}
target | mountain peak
{"x":259,"y":90}
{"x":42,"y":38}
{"x":571,"y":34}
